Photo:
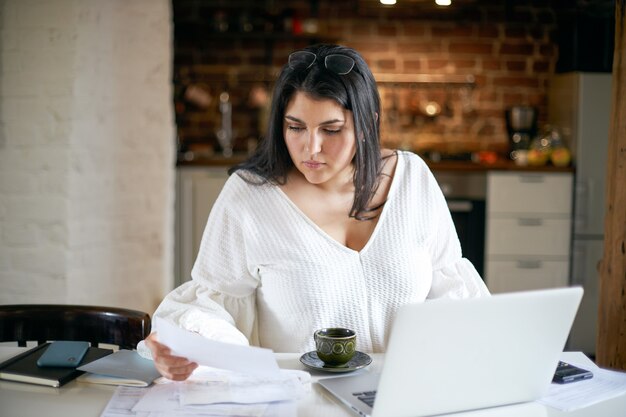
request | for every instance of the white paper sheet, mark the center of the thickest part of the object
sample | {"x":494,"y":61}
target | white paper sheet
{"x":241,"y":389}
{"x":604,"y":385}
{"x":243,"y":359}
{"x":164,"y":400}
{"x":123,"y":401}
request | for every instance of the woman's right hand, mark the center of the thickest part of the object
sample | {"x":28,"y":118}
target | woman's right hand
{"x":171,"y":367}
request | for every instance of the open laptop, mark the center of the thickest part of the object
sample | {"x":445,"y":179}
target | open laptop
{"x":446,"y":356}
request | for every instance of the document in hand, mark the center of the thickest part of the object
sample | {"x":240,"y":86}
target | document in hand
{"x":124,"y":367}
{"x":203,"y":351}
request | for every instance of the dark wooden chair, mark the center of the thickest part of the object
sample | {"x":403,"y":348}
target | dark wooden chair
{"x":44,"y":322}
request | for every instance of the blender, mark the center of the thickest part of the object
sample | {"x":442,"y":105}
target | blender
{"x":521,"y":124}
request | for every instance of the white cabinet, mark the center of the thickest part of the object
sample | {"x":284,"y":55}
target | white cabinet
{"x":528,"y":230}
{"x":197,"y":189}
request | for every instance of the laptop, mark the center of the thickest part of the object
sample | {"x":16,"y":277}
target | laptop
{"x":446,"y":356}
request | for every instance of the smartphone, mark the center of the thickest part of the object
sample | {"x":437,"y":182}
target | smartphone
{"x":63,"y":354}
{"x":566,"y":373}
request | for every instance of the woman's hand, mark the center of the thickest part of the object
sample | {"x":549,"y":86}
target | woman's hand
{"x":171,"y":367}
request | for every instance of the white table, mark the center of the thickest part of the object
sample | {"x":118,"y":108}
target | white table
{"x":88,"y":400}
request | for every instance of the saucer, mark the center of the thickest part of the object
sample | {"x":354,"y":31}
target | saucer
{"x":358,"y":361}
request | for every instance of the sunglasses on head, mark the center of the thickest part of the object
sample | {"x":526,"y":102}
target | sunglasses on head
{"x":337,"y":63}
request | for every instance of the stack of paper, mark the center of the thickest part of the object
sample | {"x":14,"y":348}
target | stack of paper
{"x":214,"y":393}
{"x":604,"y":385}
{"x":232,"y":380}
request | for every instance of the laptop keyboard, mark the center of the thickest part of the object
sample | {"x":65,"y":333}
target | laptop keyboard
{"x":367,"y":397}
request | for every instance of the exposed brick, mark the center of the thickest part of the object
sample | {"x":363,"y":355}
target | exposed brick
{"x":488,"y":31}
{"x":516,"y":48}
{"x":487,"y":96}
{"x":516,"y":66}
{"x":487,"y":130}
{"x":491,"y":64}
{"x":515,"y":32}
{"x":541,"y":66}
{"x":540,"y":100}
{"x":480,"y":79}
{"x":386,"y":64}
{"x":419,"y":46}
{"x":414,"y":29}
{"x":511,"y":99}
{"x":495,"y":113}
{"x":547,"y":49}
{"x":84,"y":133}
{"x":452,"y":31}
{"x":420,"y":39}
{"x":386,"y":29}
{"x":361,"y":29}
{"x":436,"y":64}
{"x":483,"y":48}
{"x":411,"y":65}
{"x":464,"y":63}
{"x":369,"y":47}
{"x":519,"y":82}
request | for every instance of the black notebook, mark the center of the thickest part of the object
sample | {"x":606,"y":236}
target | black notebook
{"x":23,"y":367}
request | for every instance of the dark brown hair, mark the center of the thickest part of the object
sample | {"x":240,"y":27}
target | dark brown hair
{"x":355,"y":91}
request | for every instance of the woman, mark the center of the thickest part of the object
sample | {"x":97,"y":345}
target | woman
{"x":321,"y":227}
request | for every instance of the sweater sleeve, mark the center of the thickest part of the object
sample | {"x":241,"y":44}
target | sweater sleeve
{"x":219,"y":302}
{"x":453,"y":275}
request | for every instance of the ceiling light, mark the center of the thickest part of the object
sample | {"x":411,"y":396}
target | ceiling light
{"x":443,"y":2}
{"x":388,"y":2}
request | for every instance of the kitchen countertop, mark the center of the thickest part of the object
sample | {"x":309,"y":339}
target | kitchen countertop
{"x":499,"y":165}
{"x":464,"y":166}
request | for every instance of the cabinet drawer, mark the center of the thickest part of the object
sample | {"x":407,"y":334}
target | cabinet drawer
{"x":529,"y":236}
{"x":529,"y":193}
{"x":522,"y":275}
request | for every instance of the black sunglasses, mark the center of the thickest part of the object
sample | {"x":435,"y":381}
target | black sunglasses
{"x":337,"y":63}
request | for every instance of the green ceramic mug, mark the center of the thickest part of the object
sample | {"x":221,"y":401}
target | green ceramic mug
{"x":335,"y":346}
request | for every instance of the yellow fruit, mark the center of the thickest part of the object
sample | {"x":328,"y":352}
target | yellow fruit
{"x":561,"y":157}
{"x":537,"y":157}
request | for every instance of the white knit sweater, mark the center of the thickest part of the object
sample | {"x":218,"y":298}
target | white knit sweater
{"x":267,"y":272}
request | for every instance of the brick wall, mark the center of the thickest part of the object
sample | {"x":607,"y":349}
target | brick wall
{"x":86,"y":152}
{"x":507,"y":47}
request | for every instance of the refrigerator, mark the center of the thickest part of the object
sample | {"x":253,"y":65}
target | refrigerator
{"x":580,"y":104}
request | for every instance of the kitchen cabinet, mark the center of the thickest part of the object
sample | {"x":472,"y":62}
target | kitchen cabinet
{"x":528,"y":230}
{"x":197,"y":189}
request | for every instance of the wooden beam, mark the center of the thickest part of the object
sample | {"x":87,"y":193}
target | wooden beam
{"x":611,"y":342}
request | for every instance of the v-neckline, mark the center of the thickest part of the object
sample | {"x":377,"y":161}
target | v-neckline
{"x":397,"y":170}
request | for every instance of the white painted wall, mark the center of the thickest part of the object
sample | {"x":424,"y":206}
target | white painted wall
{"x":86,"y":152}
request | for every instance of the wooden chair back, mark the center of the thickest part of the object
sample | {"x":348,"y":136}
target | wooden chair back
{"x":44,"y":322}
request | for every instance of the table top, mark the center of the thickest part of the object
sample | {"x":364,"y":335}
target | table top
{"x":77,"y":399}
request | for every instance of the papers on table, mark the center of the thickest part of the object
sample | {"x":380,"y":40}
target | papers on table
{"x":212,"y":387}
{"x":203,"y":351}
{"x":214,"y":393}
{"x":604,"y":385}
{"x":233,"y":380}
